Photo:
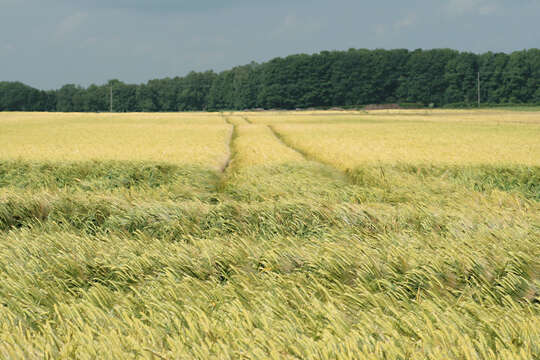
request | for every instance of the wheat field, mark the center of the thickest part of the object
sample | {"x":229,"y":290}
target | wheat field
{"x":270,"y":235}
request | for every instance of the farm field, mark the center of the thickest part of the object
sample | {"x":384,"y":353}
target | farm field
{"x":391,"y":234}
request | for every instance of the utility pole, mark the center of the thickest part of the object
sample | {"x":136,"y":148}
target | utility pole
{"x":111,"y":99}
{"x":478,"y":81}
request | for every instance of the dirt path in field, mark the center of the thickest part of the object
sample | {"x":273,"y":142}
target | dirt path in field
{"x":247,"y":119}
{"x":308,"y":157}
{"x":240,"y":121}
{"x":227,"y":162}
{"x":284,"y":143}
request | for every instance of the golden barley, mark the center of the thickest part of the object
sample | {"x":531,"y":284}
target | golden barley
{"x":329,"y":235}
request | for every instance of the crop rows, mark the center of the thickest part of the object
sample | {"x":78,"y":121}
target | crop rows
{"x":285,"y":252}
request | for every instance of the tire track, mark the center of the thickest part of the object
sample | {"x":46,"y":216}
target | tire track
{"x":308,"y":157}
{"x":232,"y":137}
{"x":284,"y":142}
{"x":247,"y":119}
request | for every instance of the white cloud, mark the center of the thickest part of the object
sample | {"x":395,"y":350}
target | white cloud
{"x":475,"y":7}
{"x":405,"y":22}
{"x":380,"y":30}
{"x":488,"y":9}
{"x":9,"y":47}
{"x":69,"y":24}
{"x":292,"y":25}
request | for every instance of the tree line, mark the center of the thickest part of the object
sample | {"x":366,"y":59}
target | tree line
{"x":438,"y":77}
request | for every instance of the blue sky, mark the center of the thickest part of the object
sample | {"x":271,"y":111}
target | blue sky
{"x":50,"y":43}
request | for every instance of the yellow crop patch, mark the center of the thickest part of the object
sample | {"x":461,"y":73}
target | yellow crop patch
{"x":174,"y":138}
{"x":258,"y":145}
{"x":270,"y":235}
{"x":391,"y":139}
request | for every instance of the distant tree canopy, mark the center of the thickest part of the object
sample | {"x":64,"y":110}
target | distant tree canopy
{"x":330,"y":78}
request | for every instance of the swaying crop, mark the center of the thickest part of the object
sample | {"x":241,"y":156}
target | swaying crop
{"x":315,"y":235}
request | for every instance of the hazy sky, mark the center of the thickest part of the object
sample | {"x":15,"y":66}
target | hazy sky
{"x":48,"y":43}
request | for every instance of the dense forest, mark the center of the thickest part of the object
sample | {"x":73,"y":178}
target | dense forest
{"x":439,"y":77}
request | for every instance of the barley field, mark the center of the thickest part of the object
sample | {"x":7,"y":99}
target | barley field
{"x":270,"y":235}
